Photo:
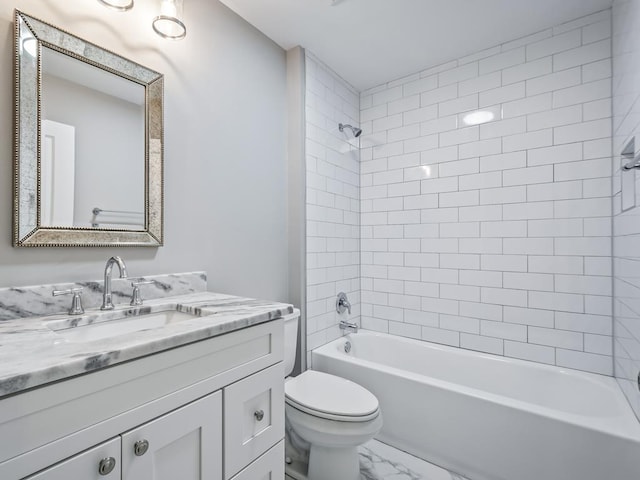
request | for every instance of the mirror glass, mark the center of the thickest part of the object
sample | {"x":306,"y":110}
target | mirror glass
{"x":89,"y":143}
{"x":91,"y":166}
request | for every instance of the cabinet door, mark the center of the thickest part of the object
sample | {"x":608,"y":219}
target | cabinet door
{"x":269,"y":466}
{"x":98,"y":463}
{"x":253,"y":417}
{"x":185,"y":444}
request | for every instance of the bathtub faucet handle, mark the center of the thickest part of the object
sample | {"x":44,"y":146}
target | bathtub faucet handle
{"x":342,"y":303}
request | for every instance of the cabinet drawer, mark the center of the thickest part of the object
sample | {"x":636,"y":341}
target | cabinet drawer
{"x":253,"y":417}
{"x":269,"y":466}
{"x":87,"y":465}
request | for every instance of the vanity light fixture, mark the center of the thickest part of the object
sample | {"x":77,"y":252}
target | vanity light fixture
{"x":120,"y":5}
{"x":169,"y":23}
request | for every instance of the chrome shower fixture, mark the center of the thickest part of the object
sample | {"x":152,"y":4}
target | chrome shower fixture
{"x":355,"y":130}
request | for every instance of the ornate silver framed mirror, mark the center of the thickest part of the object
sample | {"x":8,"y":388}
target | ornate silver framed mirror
{"x":89,"y":145}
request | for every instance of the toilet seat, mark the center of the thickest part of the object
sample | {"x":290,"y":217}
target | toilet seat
{"x":329,"y":397}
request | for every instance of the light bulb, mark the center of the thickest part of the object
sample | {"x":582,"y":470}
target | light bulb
{"x":168,"y":8}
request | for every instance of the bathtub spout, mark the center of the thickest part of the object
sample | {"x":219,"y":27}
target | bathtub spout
{"x":348,"y":326}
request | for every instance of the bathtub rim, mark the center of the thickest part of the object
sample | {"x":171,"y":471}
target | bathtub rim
{"x":616,"y":425}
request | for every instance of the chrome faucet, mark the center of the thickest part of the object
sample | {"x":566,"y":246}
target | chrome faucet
{"x":342,"y":305}
{"x":107,"y":304}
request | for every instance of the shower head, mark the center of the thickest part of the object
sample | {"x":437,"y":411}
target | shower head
{"x":355,"y":130}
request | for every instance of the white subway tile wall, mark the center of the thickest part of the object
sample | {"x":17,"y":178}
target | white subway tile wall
{"x":496,"y":237}
{"x":626,"y":225}
{"x":333,"y":200}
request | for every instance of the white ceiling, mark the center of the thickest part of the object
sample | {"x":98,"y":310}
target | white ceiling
{"x":370,"y":42}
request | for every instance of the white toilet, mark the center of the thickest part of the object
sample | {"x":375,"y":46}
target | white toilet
{"x":332,"y":416}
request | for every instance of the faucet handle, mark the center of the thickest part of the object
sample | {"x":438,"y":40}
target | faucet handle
{"x":76,"y":301}
{"x":342,"y":303}
{"x":136,"y":298}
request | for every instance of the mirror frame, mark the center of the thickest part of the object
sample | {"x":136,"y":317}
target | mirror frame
{"x":27,"y":228}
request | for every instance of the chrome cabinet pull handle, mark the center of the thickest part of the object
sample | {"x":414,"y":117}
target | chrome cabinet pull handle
{"x":140,"y":447}
{"x":259,"y":415}
{"x":106,"y":465}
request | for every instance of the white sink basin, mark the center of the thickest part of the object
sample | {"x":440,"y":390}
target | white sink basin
{"x":113,"y":327}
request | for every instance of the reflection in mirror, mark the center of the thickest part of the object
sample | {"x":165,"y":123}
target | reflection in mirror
{"x":89,"y":143}
{"x":90,"y":161}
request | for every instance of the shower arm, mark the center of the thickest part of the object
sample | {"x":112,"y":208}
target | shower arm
{"x":354,"y":130}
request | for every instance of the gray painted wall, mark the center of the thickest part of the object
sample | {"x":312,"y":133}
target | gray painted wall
{"x":225,"y":156}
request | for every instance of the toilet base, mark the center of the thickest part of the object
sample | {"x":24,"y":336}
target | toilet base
{"x":297,"y":470}
{"x":326,"y":463}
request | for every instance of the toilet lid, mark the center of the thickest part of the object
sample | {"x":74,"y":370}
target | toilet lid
{"x":329,"y":396}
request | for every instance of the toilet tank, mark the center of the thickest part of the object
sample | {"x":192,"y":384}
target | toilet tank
{"x":290,"y":340}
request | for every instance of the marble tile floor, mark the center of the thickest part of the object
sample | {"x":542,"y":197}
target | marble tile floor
{"x":382,"y":462}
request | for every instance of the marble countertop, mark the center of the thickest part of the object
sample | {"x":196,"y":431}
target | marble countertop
{"x":33,"y":354}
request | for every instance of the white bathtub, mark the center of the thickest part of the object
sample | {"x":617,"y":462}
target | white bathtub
{"x":489,"y":417}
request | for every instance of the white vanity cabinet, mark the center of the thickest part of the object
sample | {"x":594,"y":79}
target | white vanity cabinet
{"x":209,"y":410}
